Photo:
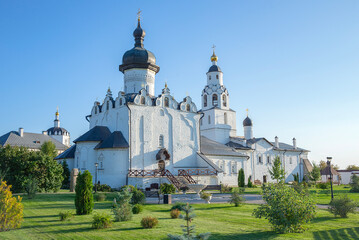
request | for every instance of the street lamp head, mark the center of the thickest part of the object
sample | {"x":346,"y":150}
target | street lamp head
{"x":96,"y":164}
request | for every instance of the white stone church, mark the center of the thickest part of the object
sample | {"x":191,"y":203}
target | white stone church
{"x":138,"y":137}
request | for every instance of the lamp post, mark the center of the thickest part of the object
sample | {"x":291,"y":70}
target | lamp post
{"x":329,"y":159}
{"x":96,"y":165}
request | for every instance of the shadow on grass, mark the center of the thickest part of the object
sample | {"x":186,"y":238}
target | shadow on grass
{"x":253,"y":235}
{"x":321,"y":219}
{"x":44,"y":216}
{"x":342,"y":233}
{"x":213,"y":207}
{"x":126,"y":229}
{"x":58,"y":224}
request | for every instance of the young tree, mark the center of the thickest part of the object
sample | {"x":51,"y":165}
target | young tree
{"x":277,"y":172}
{"x":322,"y":164}
{"x":354,"y":183}
{"x":11,"y":209}
{"x":65,"y":175}
{"x":315,"y":173}
{"x":189,"y":232}
{"x":49,"y":148}
{"x":241,"y":178}
{"x":84,"y":199}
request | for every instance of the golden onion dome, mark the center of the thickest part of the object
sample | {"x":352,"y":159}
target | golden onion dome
{"x":214,"y":58}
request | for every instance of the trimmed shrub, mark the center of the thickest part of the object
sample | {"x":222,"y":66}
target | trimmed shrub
{"x":137,"y":208}
{"x":138,"y":197}
{"x":236,"y":199}
{"x":11,"y":209}
{"x":205,"y":196}
{"x":178,"y":205}
{"x":84,"y":199}
{"x":101,"y":220}
{"x":342,"y":205}
{"x":225,"y":188}
{"x":102,"y":188}
{"x":323,"y":185}
{"x":149,"y":222}
{"x":166,"y":188}
{"x":285,"y":209}
{"x":175,"y":213}
{"x":354,"y":184}
{"x":100,"y":197}
{"x":65,"y":216}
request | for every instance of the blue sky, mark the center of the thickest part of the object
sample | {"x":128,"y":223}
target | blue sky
{"x":294,"y":64}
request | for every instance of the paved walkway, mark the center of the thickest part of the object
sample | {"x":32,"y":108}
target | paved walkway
{"x":216,"y":198}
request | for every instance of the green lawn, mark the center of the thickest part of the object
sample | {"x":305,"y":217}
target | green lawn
{"x":222,"y":220}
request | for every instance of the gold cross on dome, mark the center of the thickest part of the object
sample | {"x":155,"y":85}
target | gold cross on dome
{"x":214,"y":47}
{"x":139,"y":14}
{"x":247,"y":111}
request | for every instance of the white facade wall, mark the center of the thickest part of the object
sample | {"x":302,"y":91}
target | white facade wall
{"x":136,"y":79}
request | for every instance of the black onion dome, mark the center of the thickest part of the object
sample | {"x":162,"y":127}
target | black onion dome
{"x":139,"y":57}
{"x":57,"y":131}
{"x":214,"y":68}
{"x":247,"y":122}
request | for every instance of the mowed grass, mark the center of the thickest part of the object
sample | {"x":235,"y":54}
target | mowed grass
{"x":41,"y":221}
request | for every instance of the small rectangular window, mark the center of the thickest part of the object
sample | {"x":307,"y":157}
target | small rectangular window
{"x":260,"y":159}
{"x":268,"y":159}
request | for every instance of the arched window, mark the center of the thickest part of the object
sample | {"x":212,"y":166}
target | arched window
{"x":217,"y":76}
{"x":209,"y":119}
{"x":214,"y":99}
{"x":96,"y":110}
{"x":107,"y":105}
{"x":224,"y":100}
{"x":225,"y":118}
{"x":161,"y":141}
{"x":188,"y":108}
{"x":100,"y":161}
{"x":143,"y":100}
{"x":209,"y":77}
{"x":205,"y":100}
{"x":166,"y":102}
{"x":120,"y":101}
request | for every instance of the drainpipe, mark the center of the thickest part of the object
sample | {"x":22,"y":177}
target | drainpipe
{"x":129,"y":140}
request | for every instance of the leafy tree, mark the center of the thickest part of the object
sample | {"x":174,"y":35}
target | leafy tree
{"x":11,"y":209}
{"x":49,"y":148}
{"x":322,"y":164}
{"x":286,"y":209}
{"x":277,"y":172}
{"x":342,"y":206}
{"x":84,"y":199}
{"x":189,"y":232}
{"x":123,"y":208}
{"x":315,"y":173}
{"x":241,"y":178}
{"x":65,"y":175}
{"x":353,"y":167}
{"x":166,"y":188}
{"x":47,"y":172}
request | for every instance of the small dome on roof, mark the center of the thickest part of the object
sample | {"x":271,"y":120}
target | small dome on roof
{"x":214,"y":68}
{"x":247,"y":122}
{"x":57,"y":131}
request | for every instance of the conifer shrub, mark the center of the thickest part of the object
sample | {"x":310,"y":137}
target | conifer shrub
{"x":342,"y":205}
{"x":286,"y":209}
{"x":149,"y":222}
{"x":65,"y":175}
{"x":354,"y":184}
{"x":236,"y":198}
{"x":101,"y":220}
{"x":137,"y":208}
{"x":84,"y":198}
{"x":189,"y":231}
{"x":123,"y":209}
{"x":102,"y":187}
{"x":323,"y":185}
{"x":30,"y":186}
{"x":250,"y":184}
{"x":178,"y":205}
{"x":65,"y":216}
{"x":175,"y":213}
{"x":225,"y":188}
{"x":11,"y":209}
{"x":241,"y":178}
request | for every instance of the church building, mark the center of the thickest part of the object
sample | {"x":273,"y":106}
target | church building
{"x":137,"y":137}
